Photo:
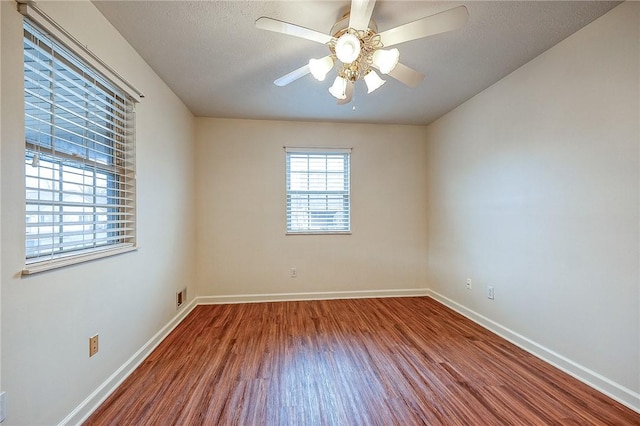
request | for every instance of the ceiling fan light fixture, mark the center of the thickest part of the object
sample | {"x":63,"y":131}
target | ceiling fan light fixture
{"x":347,"y":48}
{"x":373,"y":81}
{"x":356,"y":47}
{"x":320,"y":67}
{"x":339,"y":88}
{"x":386,"y":60}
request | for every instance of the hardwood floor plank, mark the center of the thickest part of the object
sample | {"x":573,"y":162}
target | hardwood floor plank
{"x":404,"y":361}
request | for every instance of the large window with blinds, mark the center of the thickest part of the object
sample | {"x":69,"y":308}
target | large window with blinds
{"x":318,"y":191}
{"x":79,"y":156}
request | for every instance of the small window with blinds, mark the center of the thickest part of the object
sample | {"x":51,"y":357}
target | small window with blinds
{"x":318,"y":191}
{"x":79,"y":156}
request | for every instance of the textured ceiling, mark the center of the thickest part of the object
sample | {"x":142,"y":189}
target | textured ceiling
{"x":220,"y":65}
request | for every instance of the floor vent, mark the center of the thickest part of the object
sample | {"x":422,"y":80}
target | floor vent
{"x":181,"y":297}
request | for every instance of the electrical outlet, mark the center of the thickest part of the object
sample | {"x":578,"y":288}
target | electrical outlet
{"x":468,"y":283}
{"x":294,"y":273}
{"x":93,"y":345}
{"x":490,"y":293}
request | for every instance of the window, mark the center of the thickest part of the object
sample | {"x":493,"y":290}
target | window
{"x":79,"y":158}
{"x":318,"y":190}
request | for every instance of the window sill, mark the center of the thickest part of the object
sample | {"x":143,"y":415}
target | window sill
{"x":47,"y":265}
{"x":319,"y":233}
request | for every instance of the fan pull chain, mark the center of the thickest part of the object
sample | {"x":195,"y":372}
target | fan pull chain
{"x":353,"y":100}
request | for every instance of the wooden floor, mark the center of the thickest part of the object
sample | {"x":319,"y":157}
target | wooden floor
{"x":404,"y":361}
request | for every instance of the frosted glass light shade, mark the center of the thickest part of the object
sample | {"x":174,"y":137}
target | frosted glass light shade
{"x":386,"y":60}
{"x":347,"y":48}
{"x":339,"y":88}
{"x":320,"y":67}
{"x":373,"y":81}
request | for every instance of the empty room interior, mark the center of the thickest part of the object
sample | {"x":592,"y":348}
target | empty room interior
{"x":319,"y":212}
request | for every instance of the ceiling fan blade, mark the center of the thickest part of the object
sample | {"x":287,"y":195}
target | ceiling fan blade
{"x":360,"y":13}
{"x":448,"y":20}
{"x":277,"y":26}
{"x":349,"y":92}
{"x":292,"y":76}
{"x":406,"y":75}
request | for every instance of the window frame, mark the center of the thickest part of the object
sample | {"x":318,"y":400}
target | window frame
{"x":117,"y":227}
{"x":327,"y":195}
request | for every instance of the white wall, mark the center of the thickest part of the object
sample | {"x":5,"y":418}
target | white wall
{"x":241,"y":244}
{"x":48,"y":318}
{"x":534,"y":189}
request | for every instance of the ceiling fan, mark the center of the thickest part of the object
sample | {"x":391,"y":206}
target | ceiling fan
{"x":356,"y":48}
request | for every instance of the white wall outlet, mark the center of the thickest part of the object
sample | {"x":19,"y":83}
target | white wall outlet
{"x":468,"y":283}
{"x":294,"y":273}
{"x":490,"y":293}
{"x":3,"y":406}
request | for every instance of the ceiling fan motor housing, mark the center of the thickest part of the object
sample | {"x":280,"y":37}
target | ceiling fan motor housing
{"x":342,"y":25}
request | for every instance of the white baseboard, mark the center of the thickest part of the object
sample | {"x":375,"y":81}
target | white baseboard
{"x":97,"y":397}
{"x":621,"y":394}
{"x":602,"y":384}
{"x":288,"y":297}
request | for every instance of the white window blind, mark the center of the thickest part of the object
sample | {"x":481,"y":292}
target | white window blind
{"x":318,"y":190}
{"x":79,"y":156}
